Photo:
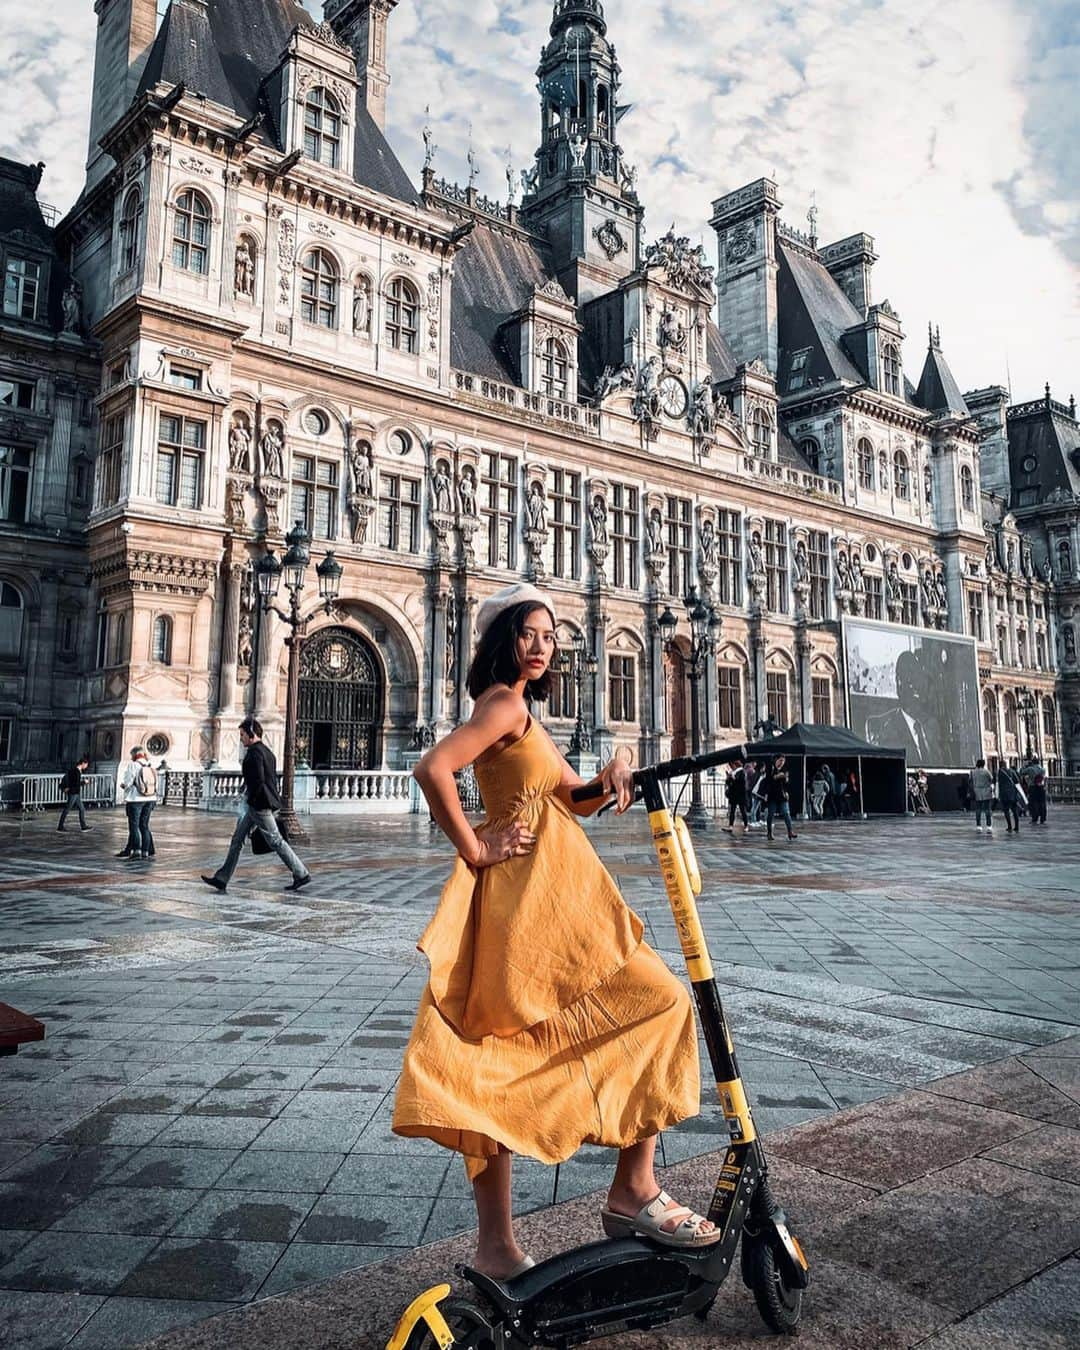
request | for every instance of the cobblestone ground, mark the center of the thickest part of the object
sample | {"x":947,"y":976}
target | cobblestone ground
{"x":208,"y":1119}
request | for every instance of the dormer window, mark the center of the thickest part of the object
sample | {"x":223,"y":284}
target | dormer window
{"x":22,"y":281}
{"x":761,"y":433}
{"x":554,"y":369}
{"x":191,"y":233}
{"x":865,"y":451}
{"x":890,"y":360}
{"x":797,"y":376}
{"x":319,"y":289}
{"x":322,"y":128}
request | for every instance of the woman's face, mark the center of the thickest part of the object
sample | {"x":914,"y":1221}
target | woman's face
{"x":779,"y":761}
{"x":535,"y":645}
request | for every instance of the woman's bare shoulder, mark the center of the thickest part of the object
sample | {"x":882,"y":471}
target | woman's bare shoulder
{"x":501,"y":707}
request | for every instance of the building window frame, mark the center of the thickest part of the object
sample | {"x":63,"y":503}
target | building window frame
{"x":777,"y":687}
{"x":901,"y":476}
{"x":161,"y":641}
{"x":399,"y":512}
{"x":891,"y":369}
{"x":323,"y":127}
{"x":775,"y":544}
{"x":976,"y":614}
{"x":762,"y":439}
{"x":402,"y":322}
{"x":24,"y":287}
{"x":180,"y":468}
{"x":817,"y":557}
{"x":565,"y":497}
{"x":12,"y":622}
{"x":625,"y":510}
{"x":16,"y":483}
{"x":192,"y":233}
{"x":314,"y":495}
{"x":679,"y":528}
{"x":499,"y":508}
{"x":967,"y":488}
{"x":320,"y":289}
{"x":131,"y":217}
{"x":864,"y":452}
{"x":555,"y":369}
{"x":821,"y":700}
{"x":729,"y":695}
{"x":622,"y":687}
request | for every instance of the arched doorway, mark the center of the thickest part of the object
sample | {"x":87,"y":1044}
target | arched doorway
{"x":678,"y":696}
{"x":341,"y":701}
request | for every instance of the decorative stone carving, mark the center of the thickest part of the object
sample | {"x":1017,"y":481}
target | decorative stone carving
{"x":858,"y":584}
{"x":756,"y":576}
{"x":286,"y":257}
{"x":244,"y":269}
{"x":361,"y":473}
{"x":741,"y":242}
{"x":536,"y":528}
{"x":928,"y":598}
{"x":245,"y":638}
{"x":272,"y":451}
{"x":361,"y":306}
{"x":234,"y":503}
{"x":361,"y":509}
{"x":467,"y":492}
{"x":442,"y":489}
{"x":655,"y":543}
{"x":894,"y":595}
{"x":670,"y":331}
{"x":701,"y":415}
{"x":941,"y":595}
{"x":708,"y":565}
{"x":272,"y":492}
{"x":611,"y":381}
{"x":72,"y":307}
{"x":434,"y":306}
{"x":687,"y":266}
{"x":599,"y":541}
{"x":1027,"y":562}
{"x":240,"y":445}
{"x":646,"y":406}
{"x":845,"y":582}
{"x":610,"y":239}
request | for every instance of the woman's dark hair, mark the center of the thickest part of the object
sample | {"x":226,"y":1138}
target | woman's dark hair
{"x":496,"y":661}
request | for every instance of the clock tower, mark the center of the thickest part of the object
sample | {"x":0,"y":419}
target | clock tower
{"x":580,"y":192}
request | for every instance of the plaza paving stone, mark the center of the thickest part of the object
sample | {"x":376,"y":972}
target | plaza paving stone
{"x":207,"y":1121}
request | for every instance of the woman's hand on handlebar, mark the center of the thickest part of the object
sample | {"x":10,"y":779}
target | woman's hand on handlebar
{"x":496,"y":846}
{"x":618,"y":779}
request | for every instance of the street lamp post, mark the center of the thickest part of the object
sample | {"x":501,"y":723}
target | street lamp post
{"x":1026,"y":702}
{"x":704,"y":631}
{"x":269,"y":572}
{"x":581,"y":663}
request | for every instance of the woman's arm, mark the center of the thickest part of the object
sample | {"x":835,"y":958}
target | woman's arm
{"x":616,"y":776}
{"x":497,"y":715}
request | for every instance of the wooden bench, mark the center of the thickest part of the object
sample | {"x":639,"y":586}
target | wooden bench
{"x":16,"y":1028}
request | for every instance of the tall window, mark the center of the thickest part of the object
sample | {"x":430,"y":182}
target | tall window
{"x":6,"y":724}
{"x":1022,"y":646}
{"x":315,"y":495}
{"x":130,"y":229}
{"x":319,"y":284}
{"x":990,"y":715}
{"x":403,"y":316}
{"x":500,"y":509}
{"x":625,"y":550}
{"x":891,"y":363}
{"x":729,"y":558}
{"x":1040,"y":649}
{"x":901,"y":476}
{"x":180,"y":461}
{"x":811,"y":452}
{"x":11,"y":622}
{"x":554,"y":369}
{"x":191,"y":233}
{"x":910,"y":593}
{"x":976,"y":616}
{"x":875,"y":608}
{"x":821,"y":698}
{"x":22,"y":281}
{"x":865,"y":454}
{"x":101,"y":639}
{"x":1002,"y":647}
{"x":1049,"y":720}
{"x":15,"y":466}
{"x":797,"y":377}
{"x":776,"y":693}
{"x":1012,"y":723}
{"x":622,"y":688}
{"x":729,"y":694}
{"x":776,"y":567}
{"x":817,"y":554}
{"x":161,"y":646}
{"x":399,"y":512}
{"x":16,"y":393}
{"x":680,"y":538}
{"x":566,"y":524}
{"x":967,"y":488}
{"x":761,"y":433}
{"x":111,"y":460}
{"x":322,"y":128}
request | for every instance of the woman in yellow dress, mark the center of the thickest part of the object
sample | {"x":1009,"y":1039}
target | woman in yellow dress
{"x":546,"y":1022}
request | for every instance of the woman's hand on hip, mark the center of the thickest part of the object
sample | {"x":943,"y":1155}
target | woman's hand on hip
{"x":496,"y":846}
{"x":618,"y":778}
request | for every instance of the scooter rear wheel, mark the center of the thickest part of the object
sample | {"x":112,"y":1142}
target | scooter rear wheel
{"x":471,"y":1328}
{"x":779,"y":1303}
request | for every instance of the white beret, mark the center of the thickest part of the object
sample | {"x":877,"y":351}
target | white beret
{"x":520,"y":593}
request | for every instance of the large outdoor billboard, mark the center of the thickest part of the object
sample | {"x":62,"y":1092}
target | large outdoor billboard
{"x":915,"y":690}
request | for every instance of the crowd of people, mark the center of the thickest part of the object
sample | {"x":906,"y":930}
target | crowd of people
{"x":1016,"y":792}
{"x":761,"y":788}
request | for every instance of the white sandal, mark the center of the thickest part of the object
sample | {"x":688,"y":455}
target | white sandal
{"x":649,"y":1221}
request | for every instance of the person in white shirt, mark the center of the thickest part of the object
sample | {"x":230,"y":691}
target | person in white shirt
{"x":140,"y":797}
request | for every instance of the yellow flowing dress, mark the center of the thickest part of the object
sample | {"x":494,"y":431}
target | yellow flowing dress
{"x":546,"y":1023}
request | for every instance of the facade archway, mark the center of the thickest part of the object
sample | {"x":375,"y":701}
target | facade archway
{"x":342,"y":696}
{"x":676,"y":671}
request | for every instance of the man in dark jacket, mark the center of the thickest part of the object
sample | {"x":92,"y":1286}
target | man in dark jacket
{"x":72,"y":786}
{"x":736,"y":796}
{"x":1008,"y":791}
{"x":262,"y":800}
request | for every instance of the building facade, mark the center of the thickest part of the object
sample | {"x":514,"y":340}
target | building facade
{"x":450,"y":392}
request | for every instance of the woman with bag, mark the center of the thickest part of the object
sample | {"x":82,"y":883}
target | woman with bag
{"x":776,"y":796}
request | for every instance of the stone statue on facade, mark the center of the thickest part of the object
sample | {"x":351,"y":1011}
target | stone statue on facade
{"x":361,"y":305}
{"x":360,"y":470}
{"x":670,"y":331}
{"x":244,"y":270}
{"x":239,"y":447}
{"x":858,"y":585}
{"x":1027,"y":562}
{"x":530,"y":179}
{"x":430,"y":148}
{"x":536,"y":507}
{"x":707,"y":544}
{"x":467,"y":491}
{"x":272,"y":451}
{"x":756,"y":576}
{"x":941,"y":595}
{"x":928,"y":596}
{"x":613,"y":379}
{"x":894,"y":594}
{"x":1065,"y":560}
{"x":442,"y":489}
{"x":655,"y":529}
{"x":702,"y":416}
{"x":72,"y":306}
{"x":646,"y":406}
{"x":598,"y":520}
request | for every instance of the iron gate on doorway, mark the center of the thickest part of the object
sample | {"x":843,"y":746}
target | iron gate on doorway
{"x":340,"y":706}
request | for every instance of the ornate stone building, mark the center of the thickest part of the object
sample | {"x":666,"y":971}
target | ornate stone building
{"x":450,"y":391}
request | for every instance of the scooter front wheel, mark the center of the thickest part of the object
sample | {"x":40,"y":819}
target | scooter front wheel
{"x":470,"y":1327}
{"x":779,"y":1303}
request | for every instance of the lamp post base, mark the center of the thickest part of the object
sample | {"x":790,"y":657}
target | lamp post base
{"x":698,"y":818}
{"x":290,"y":827}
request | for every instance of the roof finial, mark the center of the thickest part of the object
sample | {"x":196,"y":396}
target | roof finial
{"x":812,"y":216}
{"x":1047,"y":387}
{"x":930,"y":335}
{"x":429,"y":145}
{"x":1072,"y":406}
{"x":511,"y":181}
{"x":474,"y":167}
{"x":937,"y":336}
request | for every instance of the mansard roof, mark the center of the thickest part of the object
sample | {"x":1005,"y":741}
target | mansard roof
{"x":938,"y":392}
{"x":814,"y":314}
{"x":20,"y":214}
{"x":1044,"y":450}
{"x":230,"y":50}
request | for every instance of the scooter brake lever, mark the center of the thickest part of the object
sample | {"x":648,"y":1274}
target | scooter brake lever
{"x":608,"y":806}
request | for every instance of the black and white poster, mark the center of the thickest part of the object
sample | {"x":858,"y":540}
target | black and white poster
{"x":914,"y":690}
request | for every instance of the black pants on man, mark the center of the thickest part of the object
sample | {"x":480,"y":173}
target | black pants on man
{"x":737,"y":804}
{"x":1012,"y":815}
{"x":74,"y":800}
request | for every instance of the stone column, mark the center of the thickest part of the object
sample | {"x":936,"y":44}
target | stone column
{"x":231,"y":581}
{"x":709,"y":700}
{"x":802,"y":663}
{"x":437,"y":662}
{"x":55,"y":511}
{"x":760,"y":702}
{"x":601,"y":731}
{"x":466,"y":622}
{"x":228,"y":238}
{"x":657,"y":704}
{"x":267,"y":677}
{"x":1014,"y":644}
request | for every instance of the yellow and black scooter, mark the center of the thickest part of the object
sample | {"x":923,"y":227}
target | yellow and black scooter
{"x":631,"y":1284}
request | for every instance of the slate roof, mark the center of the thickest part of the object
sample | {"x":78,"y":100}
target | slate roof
{"x":229,"y":51}
{"x":814,"y":313}
{"x":1049,"y":436}
{"x":938,"y":392}
{"x":21,"y":223}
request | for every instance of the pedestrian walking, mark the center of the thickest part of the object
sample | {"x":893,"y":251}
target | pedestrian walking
{"x":982,"y":791}
{"x":776,"y":796}
{"x":262,"y":799}
{"x":1009,"y":794}
{"x":72,"y":786}
{"x":819,"y":790}
{"x":832,"y":795}
{"x":140,"y":798}
{"x":759,"y":778}
{"x":735,"y":785}
{"x":1037,"y":799}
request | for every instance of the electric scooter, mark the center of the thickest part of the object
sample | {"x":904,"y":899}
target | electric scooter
{"x":632,"y":1284}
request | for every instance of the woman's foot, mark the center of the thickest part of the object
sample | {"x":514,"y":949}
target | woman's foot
{"x":500,"y":1261}
{"x":628,"y":1204}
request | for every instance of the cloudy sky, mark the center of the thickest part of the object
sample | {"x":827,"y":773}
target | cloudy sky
{"x":947,"y":129}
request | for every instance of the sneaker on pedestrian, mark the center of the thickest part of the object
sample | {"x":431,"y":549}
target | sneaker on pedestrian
{"x":136,"y":857}
{"x":124,"y":853}
{"x":989,"y":829}
{"x":60,"y":829}
{"x":84,"y":828}
{"x":299,"y":883}
{"x":978,"y":829}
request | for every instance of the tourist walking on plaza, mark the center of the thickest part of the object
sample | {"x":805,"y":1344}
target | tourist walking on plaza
{"x":546,"y":1023}
{"x":735,"y":785}
{"x":1037,"y":799}
{"x":1009,"y":794}
{"x":982,"y":790}
{"x":819,"y":790}
{"x":760,"y":780}
{"x":776,"y":795}
{"x":140,"y":798}
{"x":72,"y":786}
{"x":262,"y":799}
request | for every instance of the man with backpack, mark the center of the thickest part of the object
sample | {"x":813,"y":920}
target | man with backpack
{"x":72,"y":786}
{"x":140,"y":797}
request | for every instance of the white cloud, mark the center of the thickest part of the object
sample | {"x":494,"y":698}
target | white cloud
{"x":944,"y":128}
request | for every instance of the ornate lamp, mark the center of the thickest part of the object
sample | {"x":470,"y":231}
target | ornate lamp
{"x":268,"y":576}
{"x":329,"y":572}
{"x":666,"y":625}
{"x":295,"y":562}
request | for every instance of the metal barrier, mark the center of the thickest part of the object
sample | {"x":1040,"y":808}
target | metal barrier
{"x":40,"y":791}
{"x":1065,"y":791}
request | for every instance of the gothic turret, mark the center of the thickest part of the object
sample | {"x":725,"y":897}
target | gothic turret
{"x":580,"y":192}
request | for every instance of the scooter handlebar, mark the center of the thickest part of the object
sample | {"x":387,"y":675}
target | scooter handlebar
{"x":668,"y":768}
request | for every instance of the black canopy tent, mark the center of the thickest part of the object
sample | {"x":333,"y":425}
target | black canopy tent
{"x":882,"y":772}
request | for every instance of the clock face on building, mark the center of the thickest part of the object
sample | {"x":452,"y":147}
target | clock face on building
{"x":672,"y":396}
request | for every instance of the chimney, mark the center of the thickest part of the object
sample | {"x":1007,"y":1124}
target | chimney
{"x":361,"y":24}
{"x":126,"y":31}
{"x":851,"y":262}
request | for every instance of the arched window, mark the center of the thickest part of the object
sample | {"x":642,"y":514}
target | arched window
{"x":322,"y":128}
{"x":554,"y":369}
{"x":1049,"y":719}
{"x":901,"y":476}
{"x":967,"y":488}
{"x":1012,"y":725}
{"x":319,"y":289}
{"x":990,"y":716}
{"x":191,"y":233}
{"x":403,"y":316}
{"x":761,"y":433}
{"x":811,"y":453}
{"x":890,"y":361}
{"x":11,"y":622}
{"x":130,"y":229}
{"x":162,"y":642}
{"x":865,"y":452}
